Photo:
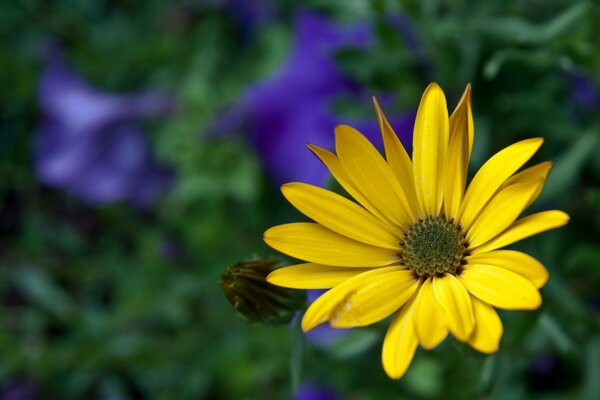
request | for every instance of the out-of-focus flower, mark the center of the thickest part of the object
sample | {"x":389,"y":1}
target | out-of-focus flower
{"x":296,"y":104}
{"x":255,"y":299}
{"x":324,"y":335}
{"x":584,"y":92}
{"x":89,"y":142}
{"x":417,"y":244}
{"x":19,"y":390}
{"x":313,"y":392}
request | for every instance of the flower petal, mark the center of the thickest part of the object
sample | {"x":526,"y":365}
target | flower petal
{"x":532,"y":174}
{"x":521,"y":263}
{"x":430,"y":144}
{"x":429,"y":318}
{"x":368,"y":171}
{"x":500,"y":287}
{"x":312,"y":276}
{"x":502,"y":210}
{"x":524,"y":228}
{"x":334,"y":166}
{"x":340,"y":215}
{"x":398,"y":159}
{"x":456,"y":302}
{"x":315,"y":243}
{"x":400,"y":343}
{"x":375,"y":299}
{"x":459,"y":153}
{"x":492,"y":175}
{"x":325,"y":307}
{"x":488,"y":328}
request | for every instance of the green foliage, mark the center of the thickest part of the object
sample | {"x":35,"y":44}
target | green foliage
{"x":118,"y":302}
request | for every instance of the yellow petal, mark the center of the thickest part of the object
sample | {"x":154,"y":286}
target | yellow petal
{"x":500,"y":287}
{"x":372,"y":175}
{"x":521,"y":263}
{"x":502,"y":210}
{"x":334,"y":166}
{"x":459,"y":153}
{"x":492,"y":175}
{"x":400,"y":343}
{"x":312,"y":276}
{"x":429,"y":319}
{"x":315,"y":243}
{"x":454,"y":299}
{"x":488,"y":328}
{"x":398,"y":159}
{"x":340,"y":215}
{"x":524,"y":228}
{"x":531,"y":175}
{"x":321,"y":310}
{"x":430,"y":145}
{"x":375,"y":299}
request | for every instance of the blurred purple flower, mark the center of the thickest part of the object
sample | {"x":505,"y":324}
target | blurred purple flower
{"x":89,"y":142}
{"x":324,"y":335}
{"x":313,"y":392}
{"x":19,"y":390}
{"x":295,"y":105}
{"x":583,"y":90}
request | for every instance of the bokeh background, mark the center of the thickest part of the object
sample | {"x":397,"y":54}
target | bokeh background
{"x":141,"y":149}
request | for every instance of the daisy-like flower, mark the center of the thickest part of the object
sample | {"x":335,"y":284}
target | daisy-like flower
{"x":415,"y":243}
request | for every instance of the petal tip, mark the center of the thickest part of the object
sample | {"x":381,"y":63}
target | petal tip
{"x":539,"y":141}
{"x":268,"y":234}
{"x":271,"y":278}
{"x":467,"y":92}
{"x":308,"y":325}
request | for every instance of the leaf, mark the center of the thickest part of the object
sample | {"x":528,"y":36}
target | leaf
{"x":557,"y":334}
{"x":39,"y":288}
{"x":295,"y":364}
{"x":591,"y":383}
{"x":522,"y":32}
{"x":568,"y":167}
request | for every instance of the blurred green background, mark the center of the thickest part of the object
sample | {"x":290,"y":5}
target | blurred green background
{"x":120,"y":300}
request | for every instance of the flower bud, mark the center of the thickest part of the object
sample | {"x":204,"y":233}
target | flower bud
{"x":255,"y":299}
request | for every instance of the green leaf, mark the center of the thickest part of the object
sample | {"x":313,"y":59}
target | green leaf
{"x":295,"y":364}
{"x":41,"y":290}
{"x":522,"y":31}
{"x":557,"y":334}
{"x":591,"y":383}
{"x":568,"y":167}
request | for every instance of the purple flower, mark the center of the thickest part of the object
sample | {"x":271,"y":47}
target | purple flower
{"x":295,"y":105}
{"x":313,"y":392}
{"x":23,"y":389}
{"x":324,"y":335}
{"x":89,"y":142}
{"x":584,"y":92}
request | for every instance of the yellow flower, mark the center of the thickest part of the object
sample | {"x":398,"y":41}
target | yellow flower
{"x":417,"y":244}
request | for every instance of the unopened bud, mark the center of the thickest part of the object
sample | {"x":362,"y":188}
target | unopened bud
{"x":255,"y":299}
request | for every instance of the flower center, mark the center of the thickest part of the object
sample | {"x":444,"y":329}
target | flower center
{"x":433,"y":246}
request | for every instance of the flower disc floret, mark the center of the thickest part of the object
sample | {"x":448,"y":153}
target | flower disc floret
{"x":433,"y":246}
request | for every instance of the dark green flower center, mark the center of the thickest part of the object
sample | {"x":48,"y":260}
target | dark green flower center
{"x":433,"y":246}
